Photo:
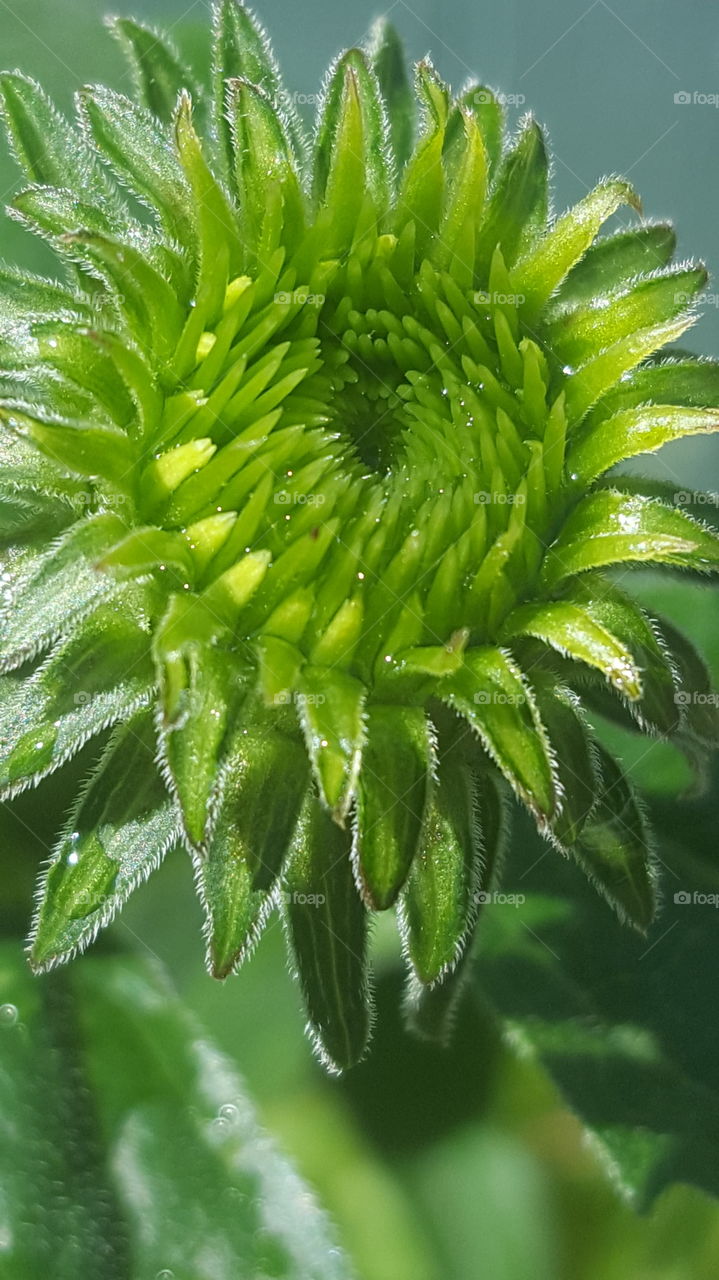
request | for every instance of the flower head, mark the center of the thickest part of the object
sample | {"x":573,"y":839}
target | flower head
{"x":306,"y":508}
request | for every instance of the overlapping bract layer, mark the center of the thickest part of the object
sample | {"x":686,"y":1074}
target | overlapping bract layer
{"x":306,"y":509}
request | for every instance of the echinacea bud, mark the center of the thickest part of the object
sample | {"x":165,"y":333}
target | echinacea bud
{"x":305,"y":507}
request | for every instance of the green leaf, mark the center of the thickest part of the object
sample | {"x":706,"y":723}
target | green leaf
{"x":59,"y":587}
{"x":392,"y":795}
{"x":583,"y":387}
{"x":331,"y":707}
{"x":422,"y":190}
{"x":145,"y":549}
{"x":613,"y":849}
{"x":561,"y":712}
{"x":539,"y":273}
{"x":598,"y":447}
{"x":439,"y":902}
{"x":572,"y":631}
{"x":486,"y":108}
{"x":155,"y":63}
{"x":696,"y":696}
{"x":656,"y":708}
{"x":241,"y":50}
{"x":657,"y":300}
{"x":327,"y":926}
{"x":610,"y":1016}
{"x":24,"y":470}
{"x":614,"y":261}
{"x":262,"y":155}
{"x":109,"y":1080}
{"x":221,"y":252}
{"x":463,"y":208}
{"x":517,"y":211}
{"x":79,"y":354}
{"x":199,"y":692}
{"x":54,"y":212}
{"x":47,"y":148}
{"x":350,"y":151}
{"x":609,"y":527}
{"x":693,"y":383}
{"x":264,"y":781}
{"x":447,"y":900}
{"x":386,"y":54}
{"x":146,"y":298}
{"x":78,"y":447}
{"x":118,"y":833}
{"x":97,"y":677}
{"x":137,"y":148}
{"x":491,"y":694}
{"x":24,"y":517}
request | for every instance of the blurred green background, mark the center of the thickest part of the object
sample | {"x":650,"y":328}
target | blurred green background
{"x":467,"y":1165}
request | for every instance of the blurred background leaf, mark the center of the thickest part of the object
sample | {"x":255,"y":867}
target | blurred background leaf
{"x":129,"y":1146}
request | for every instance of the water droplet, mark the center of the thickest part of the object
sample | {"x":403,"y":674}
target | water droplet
{"x":8,"y":1015}
{"x":568,"y":370}
{"x":228,"y":1111}
{"x":361,"y":577}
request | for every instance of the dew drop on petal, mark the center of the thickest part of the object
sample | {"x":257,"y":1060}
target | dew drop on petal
{"x":8,"y":1015}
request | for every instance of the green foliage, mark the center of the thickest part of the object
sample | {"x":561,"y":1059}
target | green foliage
{"x":319,"y":442}
{"x":159,"y":1166}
